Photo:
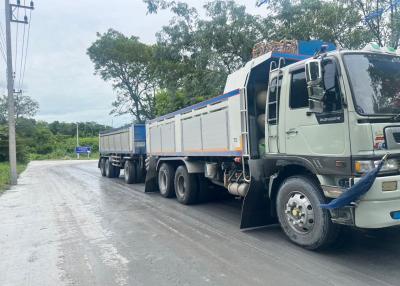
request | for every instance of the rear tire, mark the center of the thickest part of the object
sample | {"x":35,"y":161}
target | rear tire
{"x":102,"y":167}
{"x":300,"y":216}
{"x":109,"y":169}
{"x":130,"y":172}
{"x":186,"y":186}
{"x":166,"y":180}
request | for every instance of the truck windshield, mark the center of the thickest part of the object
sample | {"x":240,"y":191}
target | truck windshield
{"x":375,"y":81}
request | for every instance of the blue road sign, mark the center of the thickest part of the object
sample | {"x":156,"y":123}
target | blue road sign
{"x":83,"y":150}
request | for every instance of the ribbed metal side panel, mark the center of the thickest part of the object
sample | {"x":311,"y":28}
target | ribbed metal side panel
{"x":155,"y":139}
{"x":168,"y":137}
{"x":191,"y":134}
{"x":215,"y":131}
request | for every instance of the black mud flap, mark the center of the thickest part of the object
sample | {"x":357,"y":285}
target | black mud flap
{"x":151,"y":184}
{"x":256,"y":207}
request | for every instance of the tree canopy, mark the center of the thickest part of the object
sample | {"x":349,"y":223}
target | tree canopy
{"x":127,"y":63}
{"x":196,"y":51}
{"x":25,"y":107}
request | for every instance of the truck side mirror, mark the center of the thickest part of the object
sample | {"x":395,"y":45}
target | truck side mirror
{"x":315,"y":85}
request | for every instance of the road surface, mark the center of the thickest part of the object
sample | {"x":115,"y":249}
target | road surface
{"x":64,"y":224}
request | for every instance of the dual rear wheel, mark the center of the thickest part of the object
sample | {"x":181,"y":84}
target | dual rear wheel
{"x":133,"y":174}
{"x":178,"y":183}
{"x":107,"y":169}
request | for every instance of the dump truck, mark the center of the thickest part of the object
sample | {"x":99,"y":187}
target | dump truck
{"x":289,"y":133}
{"x":123,"y":148}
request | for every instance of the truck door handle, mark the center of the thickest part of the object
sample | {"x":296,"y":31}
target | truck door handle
{"x":292,"y":132}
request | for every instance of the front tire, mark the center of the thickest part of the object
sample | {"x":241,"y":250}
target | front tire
{"x":166,"y":180}
{"x":186,"y":186}
{"x":300,"y":216}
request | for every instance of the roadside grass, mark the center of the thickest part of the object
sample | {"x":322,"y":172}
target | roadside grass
{"x":5,"y":174}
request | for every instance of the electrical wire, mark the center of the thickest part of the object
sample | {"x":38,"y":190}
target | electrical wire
{"x":2,"y":43}
{"x":22,"y":55}
{"x":16,"y":45}
{"x":26,"y":49}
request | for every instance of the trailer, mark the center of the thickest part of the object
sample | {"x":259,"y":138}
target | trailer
{"x":123,"y":148}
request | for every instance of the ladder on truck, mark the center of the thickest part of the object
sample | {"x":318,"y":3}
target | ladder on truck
{"x":244,"y":118}
{"x":276,"y":72}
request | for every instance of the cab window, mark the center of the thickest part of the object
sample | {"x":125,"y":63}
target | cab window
{"x":298,"y":97}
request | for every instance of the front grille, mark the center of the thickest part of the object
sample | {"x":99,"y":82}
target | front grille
{"x":396,"y":137}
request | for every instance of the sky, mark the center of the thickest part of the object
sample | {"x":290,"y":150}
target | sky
{"x":59,"y":74}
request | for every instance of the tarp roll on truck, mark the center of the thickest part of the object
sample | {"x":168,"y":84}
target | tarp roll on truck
{"x":293,"y":130}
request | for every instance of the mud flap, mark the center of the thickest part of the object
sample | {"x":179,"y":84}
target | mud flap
{"x":256,"y":207}
{"x":151,"y":184}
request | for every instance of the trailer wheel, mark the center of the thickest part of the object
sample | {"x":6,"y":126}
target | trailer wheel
{"x":300,"y":216}
{"x":166,"y":180}
{"x":130,"y":172}
{"x":109,"y":169}
{"x":186,"y":187}
{"x":102,"y":167}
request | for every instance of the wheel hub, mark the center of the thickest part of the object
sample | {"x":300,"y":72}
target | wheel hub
{"x":299,"y":213}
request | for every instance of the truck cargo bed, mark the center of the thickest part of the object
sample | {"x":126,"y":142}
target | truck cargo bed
{"x":127,"y":140}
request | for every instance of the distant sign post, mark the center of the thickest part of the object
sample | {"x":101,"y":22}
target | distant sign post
{"x":83,"y":150}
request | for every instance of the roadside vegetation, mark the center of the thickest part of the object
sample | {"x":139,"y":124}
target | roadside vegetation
{"x":4,"y":174}
{"x":38,"y":140}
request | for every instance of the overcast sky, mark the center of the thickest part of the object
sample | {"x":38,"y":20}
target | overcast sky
{"x":59,"y":74}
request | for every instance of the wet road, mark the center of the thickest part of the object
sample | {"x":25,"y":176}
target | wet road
{"x":66,"y":225}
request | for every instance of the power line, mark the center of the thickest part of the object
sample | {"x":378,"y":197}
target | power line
{"x":16,"y":43}
{"x":2,"y":42}
{"x":26,"y":49}
{"x":22,"y":55}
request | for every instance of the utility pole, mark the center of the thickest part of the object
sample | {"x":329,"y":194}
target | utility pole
{"x":77,"y":138}
{"x":10,"y":87}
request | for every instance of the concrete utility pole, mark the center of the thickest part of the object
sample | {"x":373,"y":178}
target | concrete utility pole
{"x":10,"y":86}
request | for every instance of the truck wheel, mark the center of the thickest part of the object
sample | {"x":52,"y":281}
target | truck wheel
{"x":166,"y":180}
{"x":186,"y":187}
{"x":129,"y":172}
{"x":102,"y":167}
{"x":109,"y":169}
{"x":300,"y":216}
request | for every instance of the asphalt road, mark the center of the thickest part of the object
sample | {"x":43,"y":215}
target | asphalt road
{"x":64,"y":224}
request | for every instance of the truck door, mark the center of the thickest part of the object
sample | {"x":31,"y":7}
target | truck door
{"x":311,"y":134}
{"x":272,"y":113}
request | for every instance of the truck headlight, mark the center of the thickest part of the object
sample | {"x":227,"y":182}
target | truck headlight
{"x":364,"y":166}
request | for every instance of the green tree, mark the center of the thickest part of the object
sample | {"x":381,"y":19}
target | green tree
{"x":127,"y":63}
{"x":382,"y":19}
{"x":194,"y":55}
{"x":25,"y":107}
